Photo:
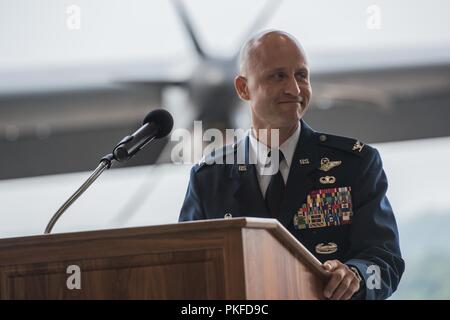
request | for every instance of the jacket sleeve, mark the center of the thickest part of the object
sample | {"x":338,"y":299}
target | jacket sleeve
{"x":192,"y":208}
{"x":375,"y":248}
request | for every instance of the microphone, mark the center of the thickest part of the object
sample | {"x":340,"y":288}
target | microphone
{"x":157,"y":124}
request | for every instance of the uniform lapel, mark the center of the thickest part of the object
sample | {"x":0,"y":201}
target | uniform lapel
{"x":301,"y":174}
{"x":245,"y":186}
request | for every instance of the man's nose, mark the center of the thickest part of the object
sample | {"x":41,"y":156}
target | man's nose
{"x":292,"y":87}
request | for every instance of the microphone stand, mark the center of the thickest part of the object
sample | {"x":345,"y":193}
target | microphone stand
{"x":105,"y":163}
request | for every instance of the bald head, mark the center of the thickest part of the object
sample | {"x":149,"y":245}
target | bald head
{"x":274,"y":79}
{"x":256,"y":46}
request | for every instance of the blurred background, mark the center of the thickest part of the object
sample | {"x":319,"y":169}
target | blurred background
{"x":78,"y":76}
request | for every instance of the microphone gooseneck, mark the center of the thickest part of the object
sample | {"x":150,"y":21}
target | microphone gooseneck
{"x":157,"y":124}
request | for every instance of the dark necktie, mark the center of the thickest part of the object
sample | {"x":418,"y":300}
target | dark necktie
{"x":275,"y":191}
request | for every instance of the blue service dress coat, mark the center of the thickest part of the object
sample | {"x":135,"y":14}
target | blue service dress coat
{"x":335,"y":203}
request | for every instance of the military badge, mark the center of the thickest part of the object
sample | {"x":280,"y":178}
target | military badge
{"x":327,"y":180}
{"x":325,"y":207}
{"x":329,"y":248}
{"x":327,"y":165}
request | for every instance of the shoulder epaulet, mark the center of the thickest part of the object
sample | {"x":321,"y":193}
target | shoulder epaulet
{"x":216,"y":156}
{"x":350,"y":145}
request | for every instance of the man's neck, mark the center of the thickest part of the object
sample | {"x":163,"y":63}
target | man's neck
{"x":265,"y":136}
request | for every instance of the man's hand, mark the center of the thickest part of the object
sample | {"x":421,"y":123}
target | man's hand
{"x":343,"y":283}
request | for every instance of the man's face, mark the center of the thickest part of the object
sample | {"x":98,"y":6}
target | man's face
{"x":278,"y":82}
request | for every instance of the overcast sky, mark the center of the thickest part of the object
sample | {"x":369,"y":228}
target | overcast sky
{"x":34,"y":33}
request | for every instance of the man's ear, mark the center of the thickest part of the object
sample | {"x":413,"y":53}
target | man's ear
{"x":240,"y":84}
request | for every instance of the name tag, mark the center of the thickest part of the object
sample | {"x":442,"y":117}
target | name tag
{"x":325,"y":208}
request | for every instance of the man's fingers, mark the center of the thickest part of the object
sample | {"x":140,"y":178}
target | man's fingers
{"x":334,"y":282}
{"x":331,"y":265}
{"x":342,"y":283}
{"x":354,"y":287}
{"x":343,"y":287}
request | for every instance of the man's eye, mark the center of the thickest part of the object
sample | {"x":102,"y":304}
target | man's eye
{"x":278,"y":76}
{"x":302,"y":75}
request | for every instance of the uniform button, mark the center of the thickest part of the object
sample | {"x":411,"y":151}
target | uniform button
{"x":323,"y":138}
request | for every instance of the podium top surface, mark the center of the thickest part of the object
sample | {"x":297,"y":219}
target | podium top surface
{"x":199,"y":225}
{"x":270,"y":225}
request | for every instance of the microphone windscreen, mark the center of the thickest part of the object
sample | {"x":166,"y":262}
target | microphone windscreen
{"x":163,"y":119}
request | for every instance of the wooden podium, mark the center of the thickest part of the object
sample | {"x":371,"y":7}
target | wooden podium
{"x":242,"y":258}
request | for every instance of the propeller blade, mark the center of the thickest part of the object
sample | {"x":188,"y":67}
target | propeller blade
{"x":182,"y":13}
{"x":267,"y":11}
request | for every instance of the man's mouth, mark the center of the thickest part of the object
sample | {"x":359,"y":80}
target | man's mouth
{"x":292,"y":101}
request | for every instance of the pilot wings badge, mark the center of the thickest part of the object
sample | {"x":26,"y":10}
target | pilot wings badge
{"x":327,"y":165}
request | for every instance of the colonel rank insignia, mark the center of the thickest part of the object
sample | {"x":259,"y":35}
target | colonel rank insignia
{"x":325,"y":207}
{"x":358,"y":146}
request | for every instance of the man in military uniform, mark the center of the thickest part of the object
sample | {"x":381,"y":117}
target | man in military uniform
{"x":328,"y":191}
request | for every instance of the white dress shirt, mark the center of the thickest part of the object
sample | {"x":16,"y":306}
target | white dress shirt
{"x":258,"y":155}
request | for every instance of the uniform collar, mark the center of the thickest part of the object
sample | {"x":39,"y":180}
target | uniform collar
{"x":301,"y":180}
{"x":258,"y":150}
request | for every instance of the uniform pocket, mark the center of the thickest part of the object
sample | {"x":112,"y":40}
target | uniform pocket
{"x":326,"y":243}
